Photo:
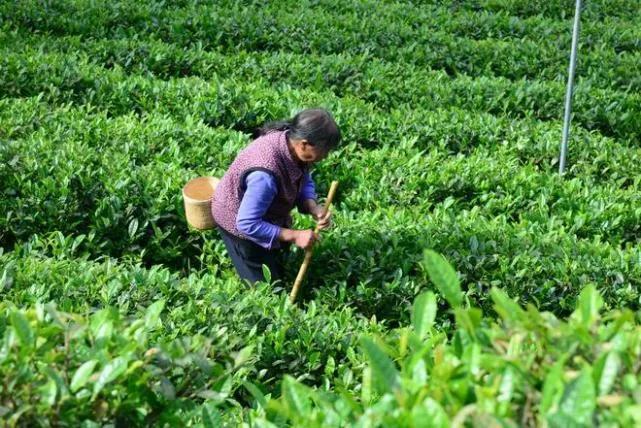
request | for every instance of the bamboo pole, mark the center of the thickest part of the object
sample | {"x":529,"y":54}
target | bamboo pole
{"x":308,"y":252}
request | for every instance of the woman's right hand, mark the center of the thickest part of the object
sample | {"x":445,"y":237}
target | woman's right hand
{"x":305,"y":238}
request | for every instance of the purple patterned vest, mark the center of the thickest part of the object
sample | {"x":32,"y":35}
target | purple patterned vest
{"x":268,"y":153}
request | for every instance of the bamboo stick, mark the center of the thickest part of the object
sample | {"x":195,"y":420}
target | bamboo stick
{"x":308,"y":252}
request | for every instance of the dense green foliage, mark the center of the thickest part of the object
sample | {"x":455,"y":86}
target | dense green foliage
{"x":114,"y":311}
{"x":527,"y":367}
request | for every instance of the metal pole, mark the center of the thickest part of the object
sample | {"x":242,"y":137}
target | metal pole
{"x":570,"y":88}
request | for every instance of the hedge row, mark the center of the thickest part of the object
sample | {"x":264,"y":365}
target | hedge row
{"x":394,"y":32}
{"x":67,"y":77}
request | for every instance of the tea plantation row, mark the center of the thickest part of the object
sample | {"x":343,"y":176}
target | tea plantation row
{"x":113,"y":312}
{"x":219,"y":350}
{"x":384,"y":84}
{"x":393,"y":31}
{"x":85,"y":177}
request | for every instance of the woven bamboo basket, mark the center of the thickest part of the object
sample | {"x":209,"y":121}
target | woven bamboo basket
{"x":197,"y":195}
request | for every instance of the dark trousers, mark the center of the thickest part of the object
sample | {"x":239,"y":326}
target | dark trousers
{"x":248,"y":258}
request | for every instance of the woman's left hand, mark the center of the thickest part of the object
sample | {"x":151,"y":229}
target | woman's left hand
{"x":323,"y":219}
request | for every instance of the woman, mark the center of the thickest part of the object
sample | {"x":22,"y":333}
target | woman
{"x":268,"y":178}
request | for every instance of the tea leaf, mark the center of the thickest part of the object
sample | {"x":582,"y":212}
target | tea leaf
{"x":211,"y":417}
{"x":256,"y":393}
{"x":48,"y":392}
{"x":606,"y":372}
{"x":579,"y":398}
{"x":384,"y":372}
{"x":133,"y":228}
{"x":109,"y":373}
{"x":22,"y":328}
{"x":294,"y":397}
{"x":424,"y":313}
{"x":444,"y":277}
{"x":267,"y":274}
{"x":430,"y":413}
{"x":590,"y":303}
{"x":552,"y":387}
{"x":507,"y":308}
{"x":152,"y":315}
{"x":243,"y":356}
{"x":82,"y":375}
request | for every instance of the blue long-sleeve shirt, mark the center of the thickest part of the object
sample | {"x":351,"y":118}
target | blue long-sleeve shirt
{"x":260,"y":191}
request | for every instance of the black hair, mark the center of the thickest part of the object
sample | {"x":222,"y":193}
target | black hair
{"x":317,"y":126}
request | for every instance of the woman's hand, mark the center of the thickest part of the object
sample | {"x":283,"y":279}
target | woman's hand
{"x":305,"y":238}
{"x":323,"y":219}
{"x":301,"y":238}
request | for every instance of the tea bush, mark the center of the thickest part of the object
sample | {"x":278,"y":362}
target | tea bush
{"x":526,"y":368}
{"x":113,"y":312}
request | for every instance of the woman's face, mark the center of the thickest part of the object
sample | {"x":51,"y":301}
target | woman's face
{"x":307,"y":153}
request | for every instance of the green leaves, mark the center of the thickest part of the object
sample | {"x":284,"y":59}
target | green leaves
{"x":572,"y":403}
{"x":82,"y":375}
{"x":110,"y":372}
{"x":48,"y":392}
{"x":103,"y":117}
{"x":579,"y":400}
{"x":443,"y":276}
{"x":590,"y":303}
{"x":295,"y":397}
{"x":152,"y":315}
{"x":424,"y":313}
{"x":267,"y":274}
{"x":243,"y":356}
{"x":606,"y":372}
{"x":507,"y":308}
{"x":256,"y":393}
{"x":211,"y":417}
{"x":23,"y":330}
{"x":133,"y":228}
{"x":417,"y":373}
{"x":526,"y":362}
{"x":430,"y":414}
{"x":384,"y":372}
{"x":552,"y":387}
